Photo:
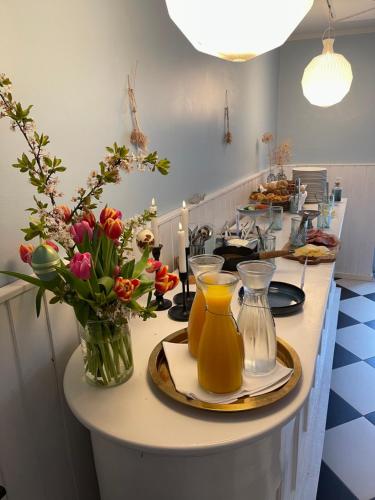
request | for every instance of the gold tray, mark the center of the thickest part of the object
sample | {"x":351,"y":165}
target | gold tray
{"x":159,"y":371}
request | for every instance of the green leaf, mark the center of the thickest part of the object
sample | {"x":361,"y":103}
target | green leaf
{"x":82,"y":311}
{"x":49,"y":285}
{"x":38,"y":301}
{"x":55,"y":300}
{"x":107,"y":283}
{"x":128,"y":269}
{"x":141,"y":264}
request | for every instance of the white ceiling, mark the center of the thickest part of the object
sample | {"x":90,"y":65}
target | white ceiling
{"x":351,"y":16}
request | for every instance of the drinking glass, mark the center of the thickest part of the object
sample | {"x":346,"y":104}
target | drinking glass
{"x":298,"y":234}
{"x":325,"y":216}
{"x":277,"y":218}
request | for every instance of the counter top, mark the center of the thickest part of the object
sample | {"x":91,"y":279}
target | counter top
{"x":138,"y":415}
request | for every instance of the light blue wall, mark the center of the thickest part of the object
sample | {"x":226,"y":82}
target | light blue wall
{"x":70,"y":59}
{"x":344,"y":133}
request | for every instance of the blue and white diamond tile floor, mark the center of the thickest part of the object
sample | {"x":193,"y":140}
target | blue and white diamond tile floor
{"x":348,"y":466}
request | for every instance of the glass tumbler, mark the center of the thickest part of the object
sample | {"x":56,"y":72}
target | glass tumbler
{"x":298,"y":234}
{"x":277,"y":218}
{"x":255,"y":320}
{"x":325,"y":216}
{"x":200,"y":264}
{"x":269,"y":244}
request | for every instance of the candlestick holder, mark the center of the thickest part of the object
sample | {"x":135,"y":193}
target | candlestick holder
{"x":181,"y":311}
{"x":156,"y":251}
{"x":177,"y":299}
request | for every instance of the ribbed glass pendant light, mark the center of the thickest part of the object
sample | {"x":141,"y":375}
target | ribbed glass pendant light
{"x":237,"y":30}
{"x":328,"y":77}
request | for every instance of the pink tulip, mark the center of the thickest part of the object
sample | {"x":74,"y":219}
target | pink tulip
{"x":80,"y":265}
{"x":79,"y":229}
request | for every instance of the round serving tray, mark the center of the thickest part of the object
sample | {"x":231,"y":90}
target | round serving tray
{"x":159,"y":372}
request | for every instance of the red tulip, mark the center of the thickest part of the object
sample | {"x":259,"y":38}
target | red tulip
{"x":165,"y":281}
{"x":52,"y":244}
{"x":65,"y":212}
{"x":90,"y":218}
{"x":109,"y":213}
{"x":124,"y":288}
{"x":26,"y":252}
{"x":153,"y":265}
{"x":79,"y":230}
{"x":80,"y":265}
{"x":113,"y":228}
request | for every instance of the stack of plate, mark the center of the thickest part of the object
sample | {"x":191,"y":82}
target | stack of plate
{"x":316,"y":180}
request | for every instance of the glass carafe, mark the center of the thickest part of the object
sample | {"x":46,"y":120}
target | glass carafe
{"x":255,"y":320}
{"x":200,"y":264}
{"x":220,"y":353}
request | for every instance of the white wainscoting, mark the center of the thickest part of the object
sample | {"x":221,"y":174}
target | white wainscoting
{"x":355,"y":260}
{"x":45,"y":454}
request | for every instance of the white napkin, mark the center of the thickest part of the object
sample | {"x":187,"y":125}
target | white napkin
{"x":183,"y":370}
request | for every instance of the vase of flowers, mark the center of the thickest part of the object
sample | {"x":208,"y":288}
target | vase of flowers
{"x":279,"y":155}
{"x":107,"y":353}
{"x":97,"y":274}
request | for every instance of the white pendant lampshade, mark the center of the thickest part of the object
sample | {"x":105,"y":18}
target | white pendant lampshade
{"x":237,"y":30}
{"x":327,"y":78}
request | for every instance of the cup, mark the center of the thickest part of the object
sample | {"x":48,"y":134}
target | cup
{"x":325,"y":216}
{"x":298,"y":234}
{"x":269,"y":241}
{"x":276,"y":218}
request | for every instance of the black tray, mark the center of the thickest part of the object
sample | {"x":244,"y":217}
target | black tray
{"x":285,"y":299}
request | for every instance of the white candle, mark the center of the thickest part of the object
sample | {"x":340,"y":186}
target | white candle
{"x":153,"y":208}
{"x":154,"y":222}
{"x":185,"y":223}
{"x":181,"y":249}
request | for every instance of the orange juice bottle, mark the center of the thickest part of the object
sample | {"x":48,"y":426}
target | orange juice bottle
{"x":220,"y":353}
{"x":200,"y":264}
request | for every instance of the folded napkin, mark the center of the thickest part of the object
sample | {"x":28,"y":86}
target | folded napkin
{"x":183,"y":370}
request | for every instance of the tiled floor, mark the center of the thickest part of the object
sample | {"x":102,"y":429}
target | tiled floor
{"x":348,"y":466}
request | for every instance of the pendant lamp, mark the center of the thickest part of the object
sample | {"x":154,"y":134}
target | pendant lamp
{"x":327,"y":78}
{"x":237,"y":30}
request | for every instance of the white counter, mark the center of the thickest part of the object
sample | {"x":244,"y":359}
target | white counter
{"x":138,"y":417}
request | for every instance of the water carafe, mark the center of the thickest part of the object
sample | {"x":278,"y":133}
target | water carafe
{"x":255,"y":320}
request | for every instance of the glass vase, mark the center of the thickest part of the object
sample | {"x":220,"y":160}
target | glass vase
{"x":255,"y":320}
{"x":107,"y":352}
{"x":200,"y":264}
{"x":220,"y":353}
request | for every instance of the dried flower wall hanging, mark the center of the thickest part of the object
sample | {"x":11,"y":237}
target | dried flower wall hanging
{"x":227,"y":133}
{"x":137,"y":137}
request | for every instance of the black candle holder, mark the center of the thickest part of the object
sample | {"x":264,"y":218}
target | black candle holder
{"x":178,"y":298}
{"x":156,"y":252}
{"x":181,"y":312}
{"x":160,"y":302}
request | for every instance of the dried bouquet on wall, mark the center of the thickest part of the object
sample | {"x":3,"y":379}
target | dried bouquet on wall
{"x":137,"y":137}
{"x":227,"y":133}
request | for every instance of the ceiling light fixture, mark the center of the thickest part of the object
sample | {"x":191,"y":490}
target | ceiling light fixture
{"x":328,"y":77}
{"x":237,"y":30}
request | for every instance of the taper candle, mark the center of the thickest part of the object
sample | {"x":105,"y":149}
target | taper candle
{"x":154,"y":222}
{"x":181,"y":249}
{"x":185,"y":223}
